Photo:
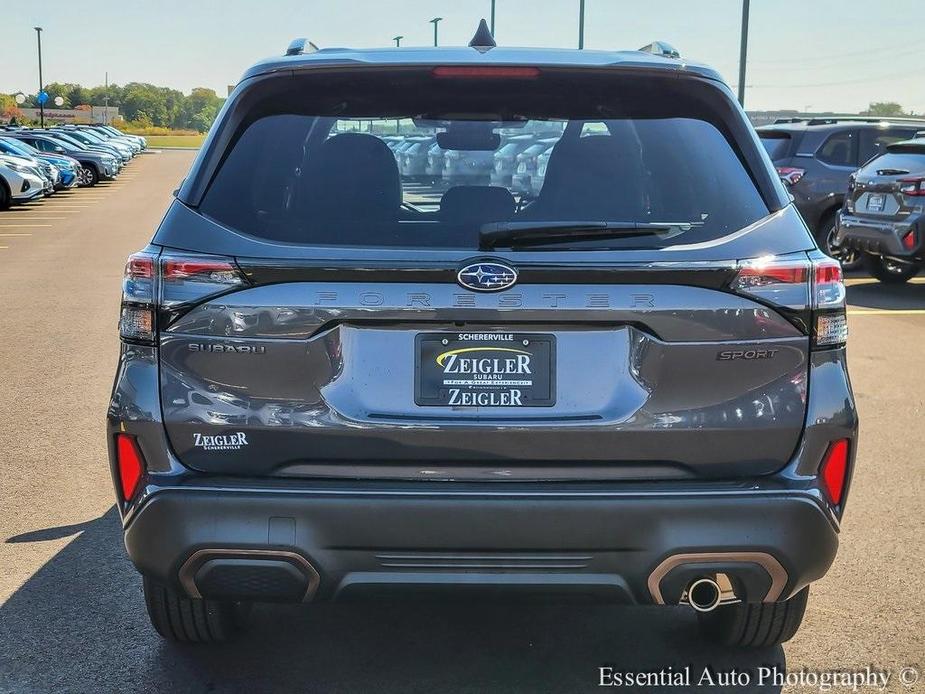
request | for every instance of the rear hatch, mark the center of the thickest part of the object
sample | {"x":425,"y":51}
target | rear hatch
{"x":627,"y":323}
{"x":889,"y":188}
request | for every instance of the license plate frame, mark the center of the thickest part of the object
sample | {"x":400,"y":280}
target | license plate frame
{"x":455,"y":381}
{"x":876,"y":202}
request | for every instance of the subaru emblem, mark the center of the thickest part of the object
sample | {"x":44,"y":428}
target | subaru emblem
{"x":487,"y":276}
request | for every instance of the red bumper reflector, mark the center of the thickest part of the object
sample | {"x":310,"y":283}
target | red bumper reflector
{"x":834,"y":470}
{"x":909,"y":240}
{"x":130,"y":463}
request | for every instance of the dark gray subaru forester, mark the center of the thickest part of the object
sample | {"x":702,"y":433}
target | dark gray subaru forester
{"x":630,"y":387}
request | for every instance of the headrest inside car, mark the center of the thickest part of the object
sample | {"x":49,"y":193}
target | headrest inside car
{"x":476,"y":203}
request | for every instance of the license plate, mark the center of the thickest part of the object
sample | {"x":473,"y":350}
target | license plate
{"x":875,"y":202}
{"x":472,"y":369}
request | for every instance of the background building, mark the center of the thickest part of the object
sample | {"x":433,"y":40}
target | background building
{"x":96,"y":114}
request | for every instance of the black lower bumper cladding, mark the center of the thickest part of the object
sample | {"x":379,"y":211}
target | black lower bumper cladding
{"x":629,"y":548}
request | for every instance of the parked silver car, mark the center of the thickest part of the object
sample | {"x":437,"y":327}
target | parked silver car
{"x":19,"y":182}
{"x":525,"y":165}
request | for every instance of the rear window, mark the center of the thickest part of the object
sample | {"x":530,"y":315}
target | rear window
{"x":776,"y":144}
{"x":908,"y":162}
{"x":318,"y":171}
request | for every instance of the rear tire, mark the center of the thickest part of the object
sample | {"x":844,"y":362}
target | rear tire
{"x":887,"y":271}
{"x":179,"y":618}
{"x":5,"y":197}
{"x":755,"y":625}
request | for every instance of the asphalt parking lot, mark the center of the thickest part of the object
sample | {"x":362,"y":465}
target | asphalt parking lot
{"x":71,"y":610}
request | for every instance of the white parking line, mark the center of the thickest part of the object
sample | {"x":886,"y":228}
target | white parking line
{"x":885,"y":311}
{"x":5,"y":235}
{"x":855,"y":281}
{"x":23,"y":226}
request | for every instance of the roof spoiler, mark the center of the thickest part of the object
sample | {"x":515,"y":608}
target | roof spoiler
{"x":915,"y":146}
{"x":832,"y":120}
{"x":829,"y":120}
{"x":300,"y":47}
{"x":666,"y":50}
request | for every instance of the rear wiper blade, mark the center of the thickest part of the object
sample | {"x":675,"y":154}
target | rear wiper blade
{"x":497,"y":234}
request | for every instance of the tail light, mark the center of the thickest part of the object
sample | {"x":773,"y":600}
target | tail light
{"x":834,"y":470}
{"x":136,"y":320}
{"x":849,"y":197}
{"x":810,"y":293}
{"x":909,"y":240}
{"x":790,"y":174}
{"x":186,"y":280}
{"x":156,"y":288}
{"x":130,"y":465}
{"x":914,"y":187}
{"x":780,"y":282}
{"x":830,"y":322}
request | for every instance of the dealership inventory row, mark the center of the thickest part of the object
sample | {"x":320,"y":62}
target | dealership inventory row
{"x":38,"y":162}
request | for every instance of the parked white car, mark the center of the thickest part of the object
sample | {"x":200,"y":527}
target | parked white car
{"x":19,"y":182}
{"x":45,"y":170}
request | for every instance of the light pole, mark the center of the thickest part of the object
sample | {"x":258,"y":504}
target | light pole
{"x":397,"y":40}
{"x":38,"y":34}
{"x":492,"y":17}
{"x":435,"y":21}
{"x":743,"y":51}
{"x":581,"y":24}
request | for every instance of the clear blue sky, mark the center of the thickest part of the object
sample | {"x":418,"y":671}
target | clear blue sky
{"x":822,"y":54}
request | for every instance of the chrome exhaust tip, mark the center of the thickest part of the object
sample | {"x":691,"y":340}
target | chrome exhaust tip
{"x":704,"y":595}
{"x":709,"y":592}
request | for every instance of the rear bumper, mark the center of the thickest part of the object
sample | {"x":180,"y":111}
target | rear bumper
{"x":602,"y":539}
{"x":632,"y":546}
{"x":880,"y":238}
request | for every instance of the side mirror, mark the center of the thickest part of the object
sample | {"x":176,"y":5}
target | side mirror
{"x":176,"y":191}
{"x":59,"y":150}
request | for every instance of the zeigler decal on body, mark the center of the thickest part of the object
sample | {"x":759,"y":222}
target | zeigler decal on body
{"x":220,"y":442}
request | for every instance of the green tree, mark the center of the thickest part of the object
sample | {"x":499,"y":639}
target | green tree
{"x":199,"y":109}
{"x":138,"y":97}
{"x":101,"y":96}
{"x":9,"y":109}
{"x":884,"y":108}
{"x":78,"y":95}
{"x":139,"y":101}
{"x":202,"y":120}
